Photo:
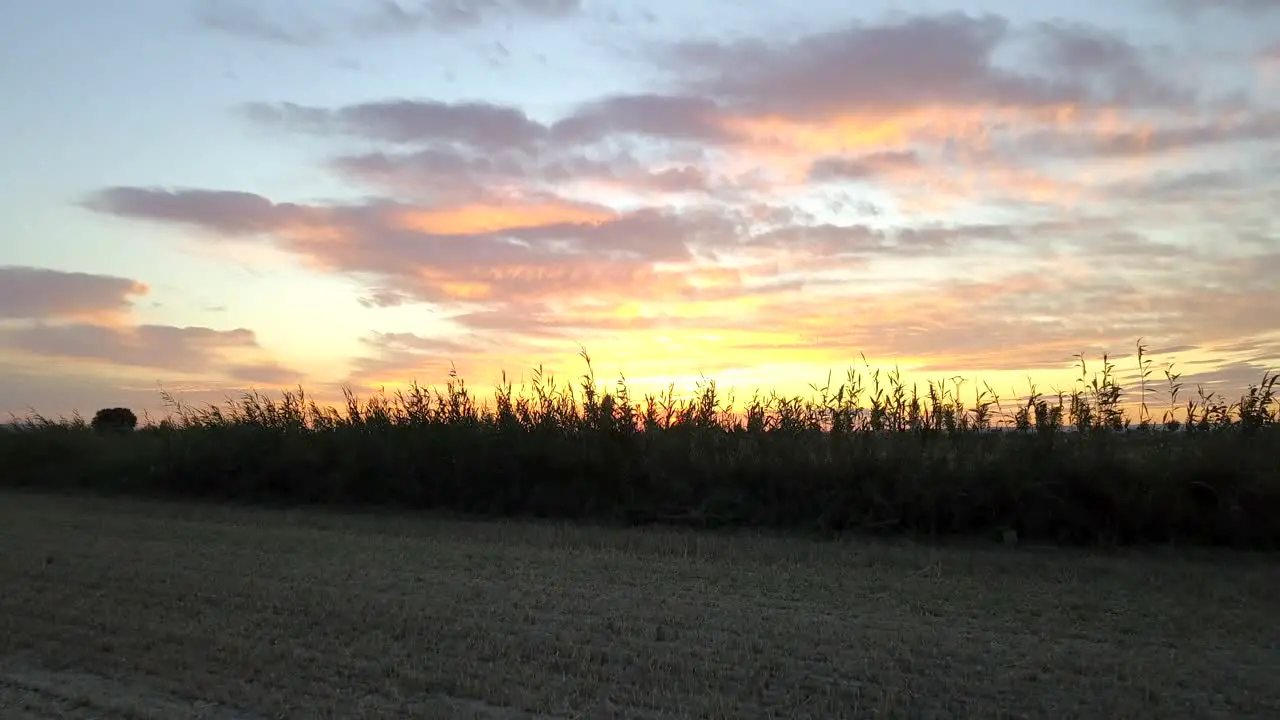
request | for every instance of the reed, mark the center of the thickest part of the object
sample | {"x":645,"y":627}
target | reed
{"x":866,"y":454}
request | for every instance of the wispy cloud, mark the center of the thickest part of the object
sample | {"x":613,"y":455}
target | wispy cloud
{"x":303,"y":26}
{"x":451,"y":15}
{"x":247,"y":20}
{"x":1244,"y":7}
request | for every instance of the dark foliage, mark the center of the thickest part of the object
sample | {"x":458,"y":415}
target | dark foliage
{"x":114,"y":420}
{"x":1067,"y":470}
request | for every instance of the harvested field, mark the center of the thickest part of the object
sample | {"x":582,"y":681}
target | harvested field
{"x":131,"y":609}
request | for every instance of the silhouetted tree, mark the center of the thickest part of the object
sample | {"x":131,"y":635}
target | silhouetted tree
{"x":114,"y":420}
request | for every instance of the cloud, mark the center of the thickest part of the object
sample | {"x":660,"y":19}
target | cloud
{"x":38,"y":293}
{"x":461,"y":176}
{"x":946,"y":60}
{"x":738,"y":119}
{"x":401,"y":357}
{"x":498,"y":217}
{"x":1249,"y":8}
{"x":61,"y":391}
{"x":967,"y":192}
{"x":267,"y":373}
{"x":384,"y":298}
{"x":864,"y":166}
{"x":226,"y":212}
{"x":242,"y":20}
{"x":436,"y":255}
{"x":395,"y":16}
{"x":481,"y":125}
{"x":83,"y":317}
{"x":1180,"y":188}
{"x":182,"y":350}
{"x":673,"y":117}
{"x":1019,"y":321}
{"x":1183,"y":134}
{"x":938,"y":61}
{"x":493,"y":127}
{"x":911,"y":105}
{"x":1227,"y":380}
{"x":154,"y":346}
{"x":378,"y":18}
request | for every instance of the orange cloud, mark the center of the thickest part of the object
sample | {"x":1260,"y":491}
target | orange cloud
{"x":782,"y":136}
{"x":954,"y":150}
{"x":487,"y":218}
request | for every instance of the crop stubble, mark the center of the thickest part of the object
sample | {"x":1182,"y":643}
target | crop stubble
{"x":115,"y":608}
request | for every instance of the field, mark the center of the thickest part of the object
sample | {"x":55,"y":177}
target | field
{"x":118,"y":608}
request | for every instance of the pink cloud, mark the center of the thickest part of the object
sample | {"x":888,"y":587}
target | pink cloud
{"x":38,"y":293}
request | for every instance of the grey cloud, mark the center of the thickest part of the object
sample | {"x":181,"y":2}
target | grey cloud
{"x":664,"y":116}
{"x":393,"y":16}
{"x":228,"y":212}
{"x":268,"y":373}
{"x":490,"y":127}
{"x":411,"y":342}
{"x":1243,"y":7}
{"x":1174,"y":136}
{"x":865,"y":242}
{"x":1228,"y":381}
{"x":457,"y":175}
{"x":406,"y":356}
{"x":1250,"y":346}
{"x":1092,"y":57}
{"x":479,"y":124}
{"x":384,"y":298}
{"x":63,"y":391}
{"x":243,"y":20}
{"x":922,"y":60}
{"x":863,"y":166}
{"x":1186,"y":188}
{"x":153,"y":346}
{"x":1123,"y":244}
{"x":827,"y":240}
{"x":645,"y":234}
{"x":528,"y":320}
{"x":682,"y":179}
{"x":38,"y":293}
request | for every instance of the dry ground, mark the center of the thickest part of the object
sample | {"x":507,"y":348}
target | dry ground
{"x":124,"y":609}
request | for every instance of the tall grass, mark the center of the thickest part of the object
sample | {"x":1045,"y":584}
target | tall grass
{"x":868,"y":454}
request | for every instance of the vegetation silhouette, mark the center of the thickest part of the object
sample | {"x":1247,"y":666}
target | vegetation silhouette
{"x":869,"y":455}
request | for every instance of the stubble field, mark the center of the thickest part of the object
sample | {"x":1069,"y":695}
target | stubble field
{"x":132,"y":609}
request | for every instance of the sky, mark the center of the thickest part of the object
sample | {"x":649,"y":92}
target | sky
{"x":208,"y":196}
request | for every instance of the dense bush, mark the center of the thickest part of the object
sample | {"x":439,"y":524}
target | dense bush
{"x":114,"y":420}
{"x":883,"y":458}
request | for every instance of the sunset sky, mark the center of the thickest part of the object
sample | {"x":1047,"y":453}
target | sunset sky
{"x":212,"y":195}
